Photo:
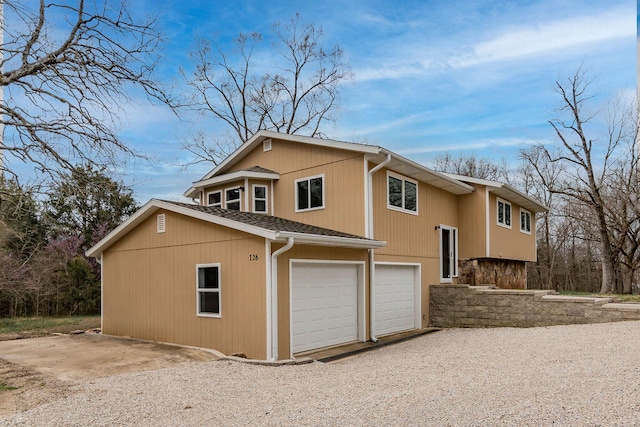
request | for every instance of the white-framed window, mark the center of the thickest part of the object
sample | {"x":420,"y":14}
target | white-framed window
{"x":260,"y":198}
{"x":525,"y":221}
{"x":208,"y":290}
{"x":448,"y":253}
{"x":214,"y":199}
{"x":310,"y":193}
{"x":504,"y":213}
{"x":402,"y":193}
{"x":232,"y":198}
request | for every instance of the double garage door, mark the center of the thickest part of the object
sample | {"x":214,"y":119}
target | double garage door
{"x":327,"y":302}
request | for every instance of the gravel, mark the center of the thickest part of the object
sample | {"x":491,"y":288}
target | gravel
{"x":578,"y":375}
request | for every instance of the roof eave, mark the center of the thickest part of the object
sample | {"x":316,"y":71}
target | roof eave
{"x":154,"y":205}
{"x":222,"y":179}
{"x":333,"y":241}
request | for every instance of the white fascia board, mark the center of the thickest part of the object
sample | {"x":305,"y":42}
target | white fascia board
{"x":318,"y":240}
{"x":478,"y":181}
{"x":511,"y":194}
{"x":233,"y":176}
{"x":504,"y":190}
{"x":461,"y":187}
{"x":143,"y":213}
{"x":153,"y":205}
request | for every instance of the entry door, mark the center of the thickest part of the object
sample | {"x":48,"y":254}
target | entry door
{"x":448,"y":253}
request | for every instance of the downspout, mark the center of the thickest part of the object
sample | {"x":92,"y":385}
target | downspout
{"x":274,"y":297}
{"x":372,"y":274}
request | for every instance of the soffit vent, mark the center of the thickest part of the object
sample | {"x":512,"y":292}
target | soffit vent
{"x":161,"y":223}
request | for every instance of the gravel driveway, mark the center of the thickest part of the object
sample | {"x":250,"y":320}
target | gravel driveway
{"x":562,"y":375}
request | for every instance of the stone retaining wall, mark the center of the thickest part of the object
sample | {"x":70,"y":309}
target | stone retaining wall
{"x":486,"y":306}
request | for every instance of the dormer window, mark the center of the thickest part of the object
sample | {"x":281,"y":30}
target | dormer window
{"x":214,"y":199}
{"x":260,"y":198}
{"x":232,"y":199}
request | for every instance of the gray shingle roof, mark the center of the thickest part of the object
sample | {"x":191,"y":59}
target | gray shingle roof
{"x":258,"y":169}
{"x":267,"y":222}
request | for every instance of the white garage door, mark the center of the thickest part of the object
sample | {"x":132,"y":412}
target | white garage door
{"x":324,"y":305}
{"x":396,"y":299}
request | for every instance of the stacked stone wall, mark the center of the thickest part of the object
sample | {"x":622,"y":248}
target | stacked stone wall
{"x":484,"y":306}
{"x":505,"y":274}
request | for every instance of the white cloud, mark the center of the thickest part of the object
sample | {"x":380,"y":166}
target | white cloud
{"x":514,"y":43}
{"x":475,"y":145}
{"x":551,"y":36}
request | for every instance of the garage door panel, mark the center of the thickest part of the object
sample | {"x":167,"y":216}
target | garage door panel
{"x":396,"y":298}
{"x":324,"y":305}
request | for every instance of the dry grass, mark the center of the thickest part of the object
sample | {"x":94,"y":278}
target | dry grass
{"x":29,"y":327}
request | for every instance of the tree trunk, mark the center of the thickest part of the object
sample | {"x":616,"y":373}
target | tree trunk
{"x":608,"y":270}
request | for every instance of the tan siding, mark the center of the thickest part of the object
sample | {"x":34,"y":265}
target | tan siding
{"x":314,"y":253}
{"x":150,"y":286}
{"x":511,"y":243}
{"x":414,"y":238}
{"x":344,"y":182}
{"x":409,"y":235}
{"x":472,"y":219}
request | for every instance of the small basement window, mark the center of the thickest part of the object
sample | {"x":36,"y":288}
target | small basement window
{"x":504,"y":213}
{"x":208,"y":290}
{"x":232,"y":198}
{"x":214,"y":199}
{"x":525,"y":221}
{"x":310,"y":193}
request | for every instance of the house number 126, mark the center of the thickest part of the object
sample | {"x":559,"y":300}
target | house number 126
{"x":253,"y":257}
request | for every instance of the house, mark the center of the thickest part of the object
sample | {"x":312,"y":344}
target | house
{"x":296,"y":243}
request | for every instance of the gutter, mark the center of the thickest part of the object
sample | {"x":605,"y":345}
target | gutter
{"x":372,"y":273}
{"x":274,"y":298}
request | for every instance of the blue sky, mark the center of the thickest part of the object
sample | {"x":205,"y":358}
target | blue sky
{"x":430,"y":77}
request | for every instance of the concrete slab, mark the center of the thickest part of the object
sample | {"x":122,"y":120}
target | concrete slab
{"x":69,"y":357}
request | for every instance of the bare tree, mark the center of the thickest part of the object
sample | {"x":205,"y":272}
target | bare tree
{"x":295,"y":92}
{"x":589,"y":164}
{"x":473,"y":166}
{"x":66,"y":69}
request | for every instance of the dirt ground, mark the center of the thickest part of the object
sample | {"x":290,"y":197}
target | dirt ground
{"x":40,"y":368}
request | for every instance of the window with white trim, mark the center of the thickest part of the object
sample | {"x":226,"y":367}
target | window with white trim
{"x":208,"y":290}
{"x":232,"y":198}
{"x":504,"y":213}
{"x":214,"y":199}
{"x":525,"y":221}
{"x":310,"y":193}
{"x":260,"y":198}
{"x":402,"y":193}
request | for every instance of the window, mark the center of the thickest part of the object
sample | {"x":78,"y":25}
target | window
{"x":260,"y":198}
{"x":214,"y":199}
{"x":525,"y":221}
{"x":448,"y":253}
{"x":208,"y":290}
{"x":504,"y":213}
{"x":310,"y":193}
{"x":402,"y":193}
{"x":232,"y":198}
